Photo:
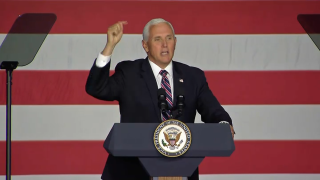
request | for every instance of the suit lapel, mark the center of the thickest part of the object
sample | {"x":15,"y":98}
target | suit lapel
{"x":151,"y":83}
{"x":177,"y":83}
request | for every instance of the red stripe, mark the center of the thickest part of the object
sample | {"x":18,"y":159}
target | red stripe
{"x":88,"y":157}
{"x":188,"y":17}
{"x":230,"y":87}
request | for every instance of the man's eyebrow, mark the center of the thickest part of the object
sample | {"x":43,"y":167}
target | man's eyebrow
{"x":169,"y":35}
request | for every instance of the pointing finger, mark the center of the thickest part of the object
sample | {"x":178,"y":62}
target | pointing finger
{"x":123,"y":22}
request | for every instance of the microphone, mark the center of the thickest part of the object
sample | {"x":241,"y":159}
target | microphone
{"x":162,"y":103}
{"x":180,"y":103}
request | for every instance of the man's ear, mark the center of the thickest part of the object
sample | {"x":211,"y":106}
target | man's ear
{"x":145,"y":46}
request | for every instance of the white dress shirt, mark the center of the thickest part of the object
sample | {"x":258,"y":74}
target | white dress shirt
{"x":156,"y":71}
{"x":103,"y":60}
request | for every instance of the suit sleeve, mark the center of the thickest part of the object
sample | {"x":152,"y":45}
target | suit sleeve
{"x":103,"y":86}
{"x":208,"y":106}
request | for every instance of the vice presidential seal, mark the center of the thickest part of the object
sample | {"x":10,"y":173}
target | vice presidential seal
{"x":172,"y":138}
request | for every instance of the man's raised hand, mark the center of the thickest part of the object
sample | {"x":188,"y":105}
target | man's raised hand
{"x":115,"y":33}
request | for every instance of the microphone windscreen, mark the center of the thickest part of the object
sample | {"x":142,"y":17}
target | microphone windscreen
{"x":162,"y":92}
{"x":180,"y":89}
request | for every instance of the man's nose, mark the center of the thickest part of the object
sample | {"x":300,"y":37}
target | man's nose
{"x":164,"y":43}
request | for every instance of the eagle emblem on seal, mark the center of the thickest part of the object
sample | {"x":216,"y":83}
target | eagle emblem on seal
{"x":172,"y":136}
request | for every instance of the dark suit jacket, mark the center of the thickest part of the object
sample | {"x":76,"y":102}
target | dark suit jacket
{"x":133,"y":84}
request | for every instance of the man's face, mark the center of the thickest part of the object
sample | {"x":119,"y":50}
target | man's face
{"x":161,"y":44}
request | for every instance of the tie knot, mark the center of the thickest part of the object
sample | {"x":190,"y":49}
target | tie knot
{"x":163,"y":72}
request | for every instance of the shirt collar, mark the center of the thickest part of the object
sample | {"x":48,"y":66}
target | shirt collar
{"x":156,"y":69}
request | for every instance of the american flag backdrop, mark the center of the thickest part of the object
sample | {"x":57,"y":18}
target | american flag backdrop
{"x":258,"y":61}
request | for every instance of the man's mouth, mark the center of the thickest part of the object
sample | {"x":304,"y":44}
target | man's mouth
{"x":164,"y":53}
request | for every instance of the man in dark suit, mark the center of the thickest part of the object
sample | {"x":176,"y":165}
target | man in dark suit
{"x":135,"y":84}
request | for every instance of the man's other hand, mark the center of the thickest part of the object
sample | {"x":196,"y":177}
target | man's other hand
{"x":232,"y":131}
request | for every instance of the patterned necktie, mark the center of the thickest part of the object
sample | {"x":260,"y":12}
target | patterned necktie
{"x":165,"y":84}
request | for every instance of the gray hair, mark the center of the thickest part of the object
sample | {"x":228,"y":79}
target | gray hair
{"x":152,"y":22}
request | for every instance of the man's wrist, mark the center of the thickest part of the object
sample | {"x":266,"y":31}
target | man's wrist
{"x":226,"y":122}
{"x":107,"y":51}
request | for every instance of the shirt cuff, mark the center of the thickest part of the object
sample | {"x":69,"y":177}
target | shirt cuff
{"x":224,"y":122}
{"x":102,"y":60}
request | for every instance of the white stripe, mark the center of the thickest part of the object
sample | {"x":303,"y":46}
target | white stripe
{"x":202,"y":177}
{"x":208,"y":52}
{"x":93,"y":122}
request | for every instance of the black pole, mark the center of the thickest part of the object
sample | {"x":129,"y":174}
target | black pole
{"x":9,"y":74}
{"x":27,"y":32}
{"x":9,"y":66}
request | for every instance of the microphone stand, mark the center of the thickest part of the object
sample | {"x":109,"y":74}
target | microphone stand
{"x":162,"y":103}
